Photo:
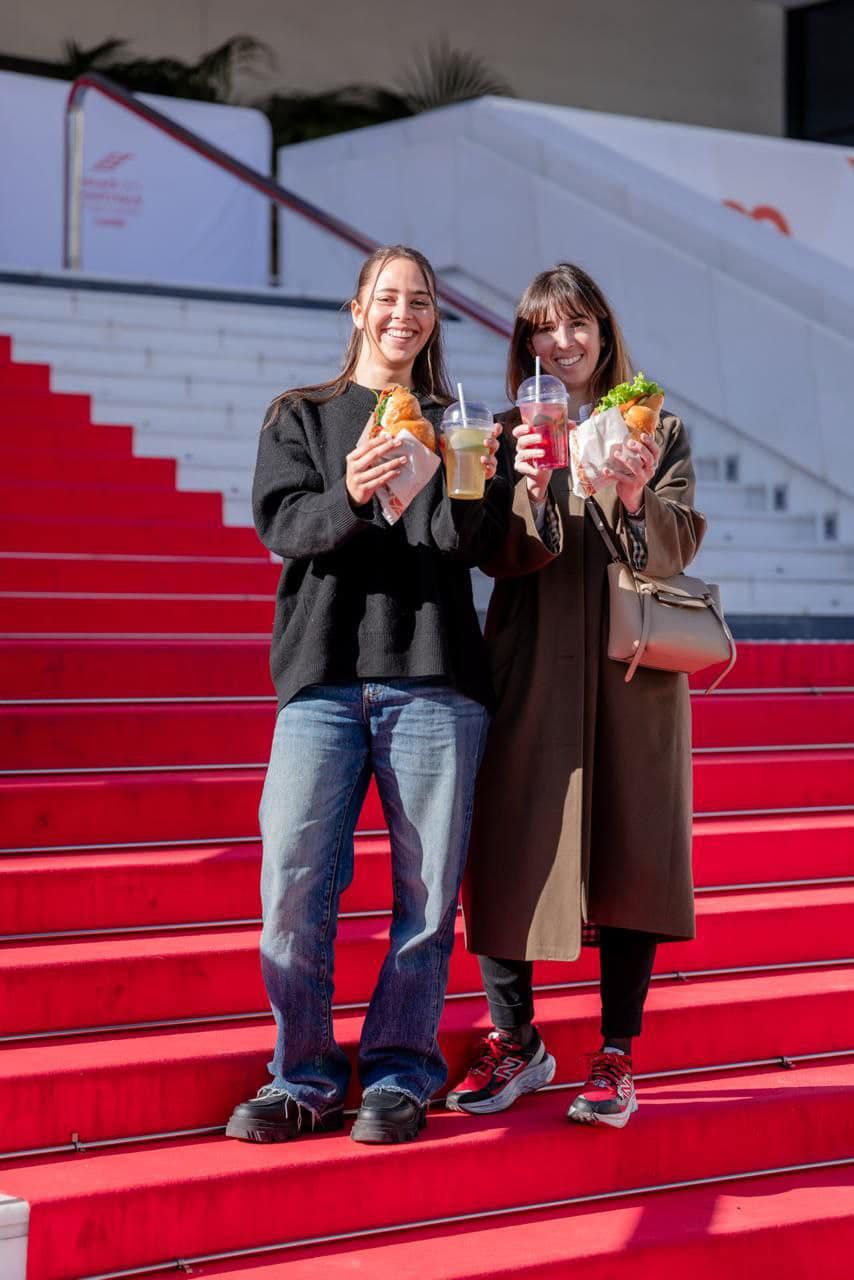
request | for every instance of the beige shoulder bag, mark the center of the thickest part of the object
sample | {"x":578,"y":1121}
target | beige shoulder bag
{"x":672,"y":624}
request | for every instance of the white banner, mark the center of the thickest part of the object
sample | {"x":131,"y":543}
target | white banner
{"x":151,"y":207}
{"x":800,"y":189}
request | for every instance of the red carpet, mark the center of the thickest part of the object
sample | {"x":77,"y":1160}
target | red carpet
{"x":135,"y":717}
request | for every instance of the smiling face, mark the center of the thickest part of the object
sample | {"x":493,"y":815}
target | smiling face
{"x":569,"y":348}
{"x":396,"y":314}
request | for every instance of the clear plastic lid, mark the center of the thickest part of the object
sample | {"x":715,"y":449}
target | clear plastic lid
{"x":477,"y":415}
{"x":552,"y":391}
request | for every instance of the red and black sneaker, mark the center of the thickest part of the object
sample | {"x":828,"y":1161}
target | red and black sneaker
{"x":608,"y":1097}
{"x":502,"y":1072}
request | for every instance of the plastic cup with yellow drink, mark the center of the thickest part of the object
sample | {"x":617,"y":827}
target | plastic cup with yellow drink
{"x":464,"y":435}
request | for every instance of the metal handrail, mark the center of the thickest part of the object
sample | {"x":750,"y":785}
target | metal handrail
{"x":73,"y":157}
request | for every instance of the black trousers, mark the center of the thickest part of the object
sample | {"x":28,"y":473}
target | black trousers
{"x":626,"y":960}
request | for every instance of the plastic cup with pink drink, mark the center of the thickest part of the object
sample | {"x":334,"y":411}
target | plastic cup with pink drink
{"x":542,"y":402}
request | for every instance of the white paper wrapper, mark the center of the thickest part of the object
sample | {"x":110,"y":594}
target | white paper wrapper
{"x":590,"y":446}
{"x":421,"y":464}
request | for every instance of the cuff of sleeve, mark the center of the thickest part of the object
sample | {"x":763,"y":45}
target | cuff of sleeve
{"x":534,"y":526}
{"x":345,"y":518}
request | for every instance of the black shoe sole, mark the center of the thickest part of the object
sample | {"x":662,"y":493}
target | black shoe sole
{"x":380,"y":1131}
{"x":245,"y":1129}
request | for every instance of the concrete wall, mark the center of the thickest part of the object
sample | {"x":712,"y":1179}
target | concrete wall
{"x":712,"y":62}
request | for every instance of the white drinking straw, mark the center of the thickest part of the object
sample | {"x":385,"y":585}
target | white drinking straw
{"x":536,"y":378}
{"x":462,"y":401}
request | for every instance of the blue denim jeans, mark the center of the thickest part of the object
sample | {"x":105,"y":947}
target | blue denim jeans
{"x":423,"y":741}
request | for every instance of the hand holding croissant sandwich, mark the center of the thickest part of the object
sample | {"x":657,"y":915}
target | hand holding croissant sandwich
{"x":632,"y":408}
{"x":639,"y":402}
{"x":398,"y":413}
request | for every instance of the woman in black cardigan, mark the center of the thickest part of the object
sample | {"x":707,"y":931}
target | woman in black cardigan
{"x":379,"y":667}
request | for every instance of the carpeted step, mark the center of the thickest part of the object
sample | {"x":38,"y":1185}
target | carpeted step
{"x":148,"y":1083}
{"x":137,"y":735}
{"x":83,"y":613}
{"x":110,"y":808}
{"x":125,"y":535}
{"x":232,"y":1195}
{"x":86,"y":442}
{"x":204,"y":973}
{"x":16,"y":379}
{"x":179,"y":667}
{"x":25,"y":413}
{"x":128,"y":667}
{"x":221,"y":804}
{"x":732,"y":851}
{"x":37,"y":464}
{"x":108,"y":502}
{"x":773,"y":719}
{"x":734,"y":781}
{"x":777,"y":664}
{"x":795,"y":1226}
{"x":125,"y":888}
{"x":50,"y":572}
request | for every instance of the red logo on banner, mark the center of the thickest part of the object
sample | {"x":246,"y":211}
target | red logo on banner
{"x":762,"y":213}
{"x":110,"y":197}
{"x":112,"y":160}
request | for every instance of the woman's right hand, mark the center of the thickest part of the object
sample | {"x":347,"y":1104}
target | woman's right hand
{"x":528,"y":453}
{"x":370,"y":465}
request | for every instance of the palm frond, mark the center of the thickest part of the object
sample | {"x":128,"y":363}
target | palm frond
{"x":75,"y":59}
{"x":443,"y":75}
{"x":239,"y":55}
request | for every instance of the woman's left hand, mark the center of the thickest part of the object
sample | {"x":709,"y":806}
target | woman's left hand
{"x":633,"y":465}
{"x":490,"y":465}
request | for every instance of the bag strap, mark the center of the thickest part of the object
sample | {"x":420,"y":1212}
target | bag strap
{"x":618,"y":558}
{"x":733,"y":651}
{"x":602,"y":525}
{"x":646,"y":621}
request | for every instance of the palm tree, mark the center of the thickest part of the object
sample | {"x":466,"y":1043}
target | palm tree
{"x":210,"y":79}
{"x":441,"y":76}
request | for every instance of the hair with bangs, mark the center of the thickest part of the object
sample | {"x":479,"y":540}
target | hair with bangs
{"x":567,"y":292}
{"x":429,"y":375}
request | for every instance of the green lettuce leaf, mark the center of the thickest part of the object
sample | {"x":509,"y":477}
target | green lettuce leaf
{"x":640,"y":386}
{"x":382,"y":402}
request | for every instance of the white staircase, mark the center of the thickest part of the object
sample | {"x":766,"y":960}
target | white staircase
{"x":193,"y":376}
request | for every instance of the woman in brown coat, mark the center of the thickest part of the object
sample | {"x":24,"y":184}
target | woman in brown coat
{"x":583,"y":818}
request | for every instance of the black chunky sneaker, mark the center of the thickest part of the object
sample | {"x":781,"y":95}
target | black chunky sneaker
{"x":388,"y":1116}
{"x":274,"y":1116}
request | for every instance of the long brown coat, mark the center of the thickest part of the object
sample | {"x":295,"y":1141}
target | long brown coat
{"x":583,"y":806}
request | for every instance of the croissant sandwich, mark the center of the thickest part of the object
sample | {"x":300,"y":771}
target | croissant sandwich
{"x":398,"y":410}
{"x":639,"y":402}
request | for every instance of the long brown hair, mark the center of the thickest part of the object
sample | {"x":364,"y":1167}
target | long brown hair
{"x":568,"y":292}
{"x":429,"y":375}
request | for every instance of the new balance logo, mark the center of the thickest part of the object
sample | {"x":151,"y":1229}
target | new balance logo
{"x":507,"y":1068}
